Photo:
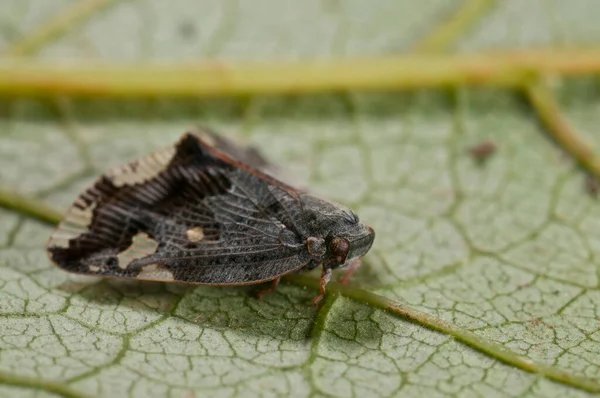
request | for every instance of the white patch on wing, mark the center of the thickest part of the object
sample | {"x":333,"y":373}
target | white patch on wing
{"x":141,"y":170}
{"x":195,"y":234}
{"x":154,"y":272}
{"x":75,"y":223}
{"x":204,"y":136}
{"x":141,"y":246}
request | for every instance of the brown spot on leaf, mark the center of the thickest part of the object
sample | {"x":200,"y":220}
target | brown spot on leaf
{"x":482,"y":151}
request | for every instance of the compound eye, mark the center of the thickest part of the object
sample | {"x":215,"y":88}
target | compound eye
{"x":339,"y":248}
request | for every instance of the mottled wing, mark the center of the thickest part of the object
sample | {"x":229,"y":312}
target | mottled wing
{"x":246,"y":154}
{"x":188,"y":214}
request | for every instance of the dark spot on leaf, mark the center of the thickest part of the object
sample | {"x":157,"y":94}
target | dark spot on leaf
{"x":187,"y":30}
{"x":482,"y":151}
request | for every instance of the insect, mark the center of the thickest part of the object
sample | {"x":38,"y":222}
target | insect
{"x":482,"y":151}
{"x":191,"y":213}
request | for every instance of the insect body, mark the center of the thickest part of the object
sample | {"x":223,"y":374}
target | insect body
{"x":193,"y":214}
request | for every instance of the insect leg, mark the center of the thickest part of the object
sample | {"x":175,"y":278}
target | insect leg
{"x":325,"y":278}
{"x":352,"y":268}
{"x":270,"y":289}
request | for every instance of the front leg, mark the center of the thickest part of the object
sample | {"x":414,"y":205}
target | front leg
{"x":269,"y":289}
{"x":325,"y":278}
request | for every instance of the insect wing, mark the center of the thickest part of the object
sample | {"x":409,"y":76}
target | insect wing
{"x":187,"y":214}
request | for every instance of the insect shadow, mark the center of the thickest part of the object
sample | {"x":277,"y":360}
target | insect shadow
{"x":283,"y":314}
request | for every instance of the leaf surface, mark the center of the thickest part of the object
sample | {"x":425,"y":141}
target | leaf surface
{"x":507,"y":249}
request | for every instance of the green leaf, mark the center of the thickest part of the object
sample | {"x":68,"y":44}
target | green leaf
{"x":506,"y":249}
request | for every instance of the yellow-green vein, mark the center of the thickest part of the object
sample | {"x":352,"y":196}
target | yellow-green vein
{"x":544,"y":102}
{"x":212,"y":79}
{"x":56,"y":388}
{"x":448,"y":31}
{"x":58,"y":25}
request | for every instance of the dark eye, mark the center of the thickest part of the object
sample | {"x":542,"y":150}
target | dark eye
{"x":338,"y":249}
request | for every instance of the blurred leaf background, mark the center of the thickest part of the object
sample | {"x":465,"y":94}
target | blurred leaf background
{"x":483,"y":280}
